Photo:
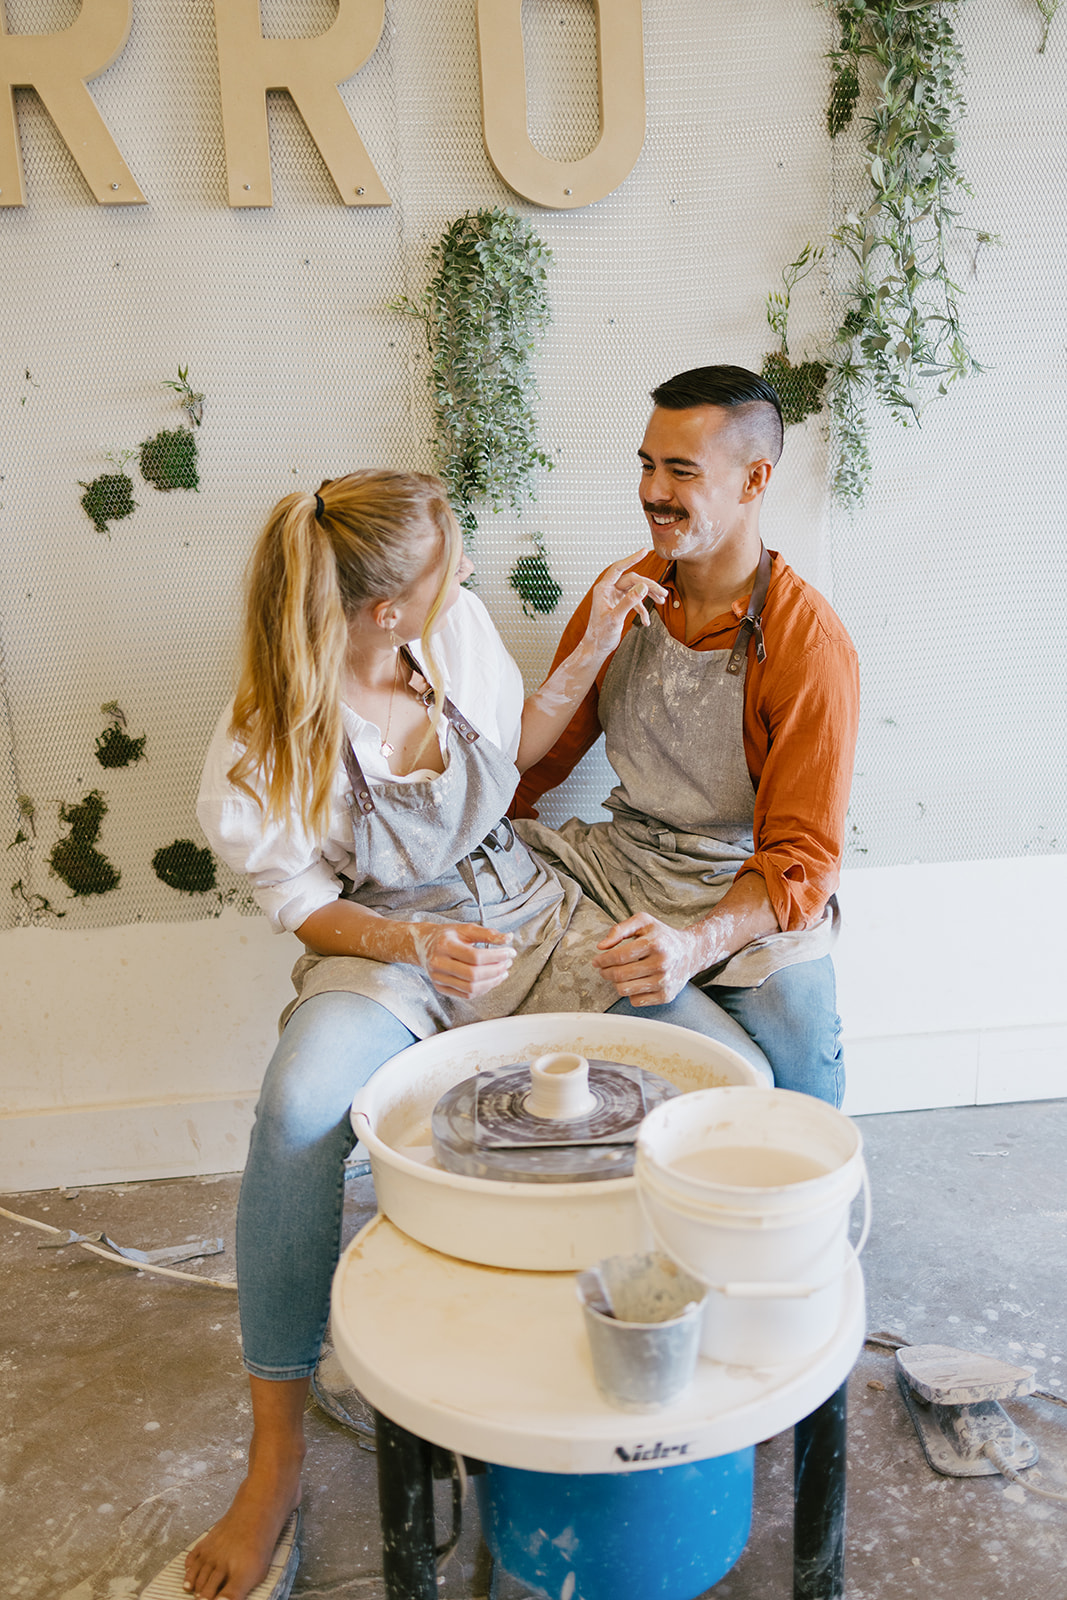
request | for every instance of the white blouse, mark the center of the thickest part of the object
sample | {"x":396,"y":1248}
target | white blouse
{"x":292,"y":874}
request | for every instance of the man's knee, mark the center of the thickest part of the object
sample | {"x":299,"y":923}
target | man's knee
{"x":792,"y":1015}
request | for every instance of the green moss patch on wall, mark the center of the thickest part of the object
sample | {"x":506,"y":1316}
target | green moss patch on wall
{"x":108,"y":498}
{"x":183,"y":866}
{"x":169,"y":460}
{"x":114,"y":747}
{"x":535,"y":585}
{"x":74,"y":859}
{"x":799,"y":388}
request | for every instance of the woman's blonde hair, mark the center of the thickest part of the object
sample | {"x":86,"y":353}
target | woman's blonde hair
{"x":311,"y":572}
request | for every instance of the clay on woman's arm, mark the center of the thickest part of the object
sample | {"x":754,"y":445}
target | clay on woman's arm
{"x":460,"y":958}
{"x":618,"y":594}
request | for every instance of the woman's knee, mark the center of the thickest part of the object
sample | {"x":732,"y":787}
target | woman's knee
{"x":331,"y":1045}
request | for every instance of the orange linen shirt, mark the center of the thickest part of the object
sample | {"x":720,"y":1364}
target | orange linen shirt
{"x":800,"y":721}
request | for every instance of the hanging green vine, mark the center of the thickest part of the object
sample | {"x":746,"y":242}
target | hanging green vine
{"x":901,"y":335}
{"x":1047,"y":8}
{"x":484,"y":312}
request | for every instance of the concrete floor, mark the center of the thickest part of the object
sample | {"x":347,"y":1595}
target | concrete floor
{"x":126,"y":1418}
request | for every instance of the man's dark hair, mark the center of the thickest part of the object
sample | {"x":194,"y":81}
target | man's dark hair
{"x":758,"y":408}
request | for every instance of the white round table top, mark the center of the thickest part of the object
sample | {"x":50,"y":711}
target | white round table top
{"x":495,"y":1364}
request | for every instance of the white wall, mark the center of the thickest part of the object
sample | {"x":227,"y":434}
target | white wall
{"x":137,"y":1052}
{"x":132,"y":1040}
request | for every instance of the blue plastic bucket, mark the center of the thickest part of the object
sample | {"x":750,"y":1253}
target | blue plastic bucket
{"x":666,"y":1533}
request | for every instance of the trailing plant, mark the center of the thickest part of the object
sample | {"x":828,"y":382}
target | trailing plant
{"x":192,"y":401}
{"x":109,"y":498}
{"x":800,"y":387}
{"x":38,"y":905}
{"x":902,"y":322}
{"x":169,"y":460}
{"x":484,"y":311}
{"x":183,"y":866}
{"x":1047,"y":8}
{"x":75,"y":859}
{"x":114,"y":747}
{"x":534,"y":583}
{"x":27,"y":819}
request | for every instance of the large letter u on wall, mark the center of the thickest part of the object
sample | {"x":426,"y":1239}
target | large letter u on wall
{"x":620,"y":61}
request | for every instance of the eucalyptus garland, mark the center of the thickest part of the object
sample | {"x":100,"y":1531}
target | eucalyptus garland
{"x":484,"y":311}
{"x":901,"y":335}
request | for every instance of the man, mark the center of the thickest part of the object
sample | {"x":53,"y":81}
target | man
{"x":730,"y":722}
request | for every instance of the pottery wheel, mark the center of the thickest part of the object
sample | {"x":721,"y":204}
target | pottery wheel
{"x":482,"y":1129}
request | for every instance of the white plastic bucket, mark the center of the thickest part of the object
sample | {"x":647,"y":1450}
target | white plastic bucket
{"x":750,"y":1190}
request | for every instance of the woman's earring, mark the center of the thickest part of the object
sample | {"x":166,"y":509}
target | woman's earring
{"x":393,"y":640}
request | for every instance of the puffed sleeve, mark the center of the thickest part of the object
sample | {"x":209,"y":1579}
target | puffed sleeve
{"x":289,"y":875}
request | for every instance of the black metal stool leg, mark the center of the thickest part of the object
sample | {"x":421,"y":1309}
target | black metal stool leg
{"x":405,"y":1502}
{"x":819,"y":1502}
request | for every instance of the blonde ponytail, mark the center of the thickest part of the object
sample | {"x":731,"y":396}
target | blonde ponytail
{"x":310,"y":573}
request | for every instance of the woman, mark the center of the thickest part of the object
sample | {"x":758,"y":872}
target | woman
{"x":366,"y":809}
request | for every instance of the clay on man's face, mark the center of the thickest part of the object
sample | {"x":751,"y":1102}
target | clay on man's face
{"x":690,"y":485}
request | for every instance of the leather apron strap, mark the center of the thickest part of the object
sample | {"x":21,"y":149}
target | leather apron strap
{"x":361,"y":790}
{"x":750,"y":623}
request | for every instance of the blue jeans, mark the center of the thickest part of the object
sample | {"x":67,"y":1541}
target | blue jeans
{"x":292,"y":1192}
{"x":793,"y":1017}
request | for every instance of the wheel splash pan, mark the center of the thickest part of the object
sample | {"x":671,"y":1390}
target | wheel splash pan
{"x":533,"y":1227}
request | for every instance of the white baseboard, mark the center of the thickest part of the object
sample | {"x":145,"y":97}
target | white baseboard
{"x":136,"y":1052}
{"x":88,"y":1145}
{"x":915,"y":1072}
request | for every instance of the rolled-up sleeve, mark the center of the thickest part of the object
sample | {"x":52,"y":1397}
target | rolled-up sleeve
{"x":807,"y":722}
{"x":289,"y":876}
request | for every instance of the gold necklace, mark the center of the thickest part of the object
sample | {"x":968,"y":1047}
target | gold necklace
{"x":385,"y":747}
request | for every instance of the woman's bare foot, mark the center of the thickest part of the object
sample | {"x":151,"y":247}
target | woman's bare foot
{"x":234,"y":1556}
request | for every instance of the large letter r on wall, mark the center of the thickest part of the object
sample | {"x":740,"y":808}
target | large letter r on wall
{"x":57,"y":65}
{"x":310,"y":69}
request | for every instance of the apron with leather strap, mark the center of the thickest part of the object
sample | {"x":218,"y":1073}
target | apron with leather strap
{"x":682,"y":811}
{"x":439,"y":849}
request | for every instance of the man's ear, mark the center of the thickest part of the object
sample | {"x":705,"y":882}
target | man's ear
{"x":757,"y":477}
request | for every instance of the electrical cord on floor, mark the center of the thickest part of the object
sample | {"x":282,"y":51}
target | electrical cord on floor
{"x":996,"y":1455}
{"x":446,"y":1551}
{"x":123,"y":1261}
{"x":890,"y":1341}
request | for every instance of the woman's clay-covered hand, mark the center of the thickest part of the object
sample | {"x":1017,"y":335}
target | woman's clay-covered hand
{"x":462,"y":958}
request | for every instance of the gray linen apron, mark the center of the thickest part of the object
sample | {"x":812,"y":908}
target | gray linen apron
{"x":440,"y":850}
{"x":682,"y":811}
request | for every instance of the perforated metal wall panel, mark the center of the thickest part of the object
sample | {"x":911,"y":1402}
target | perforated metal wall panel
{"x":950,"y":580}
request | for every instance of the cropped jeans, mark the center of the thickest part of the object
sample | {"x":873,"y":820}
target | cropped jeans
{"x":292,"y":1192}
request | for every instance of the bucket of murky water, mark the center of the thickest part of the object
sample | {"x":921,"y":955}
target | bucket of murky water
{"x":751,"y":1190}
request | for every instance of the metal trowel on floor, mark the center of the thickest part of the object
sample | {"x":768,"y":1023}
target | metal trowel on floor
{"x":952,"y":1397}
